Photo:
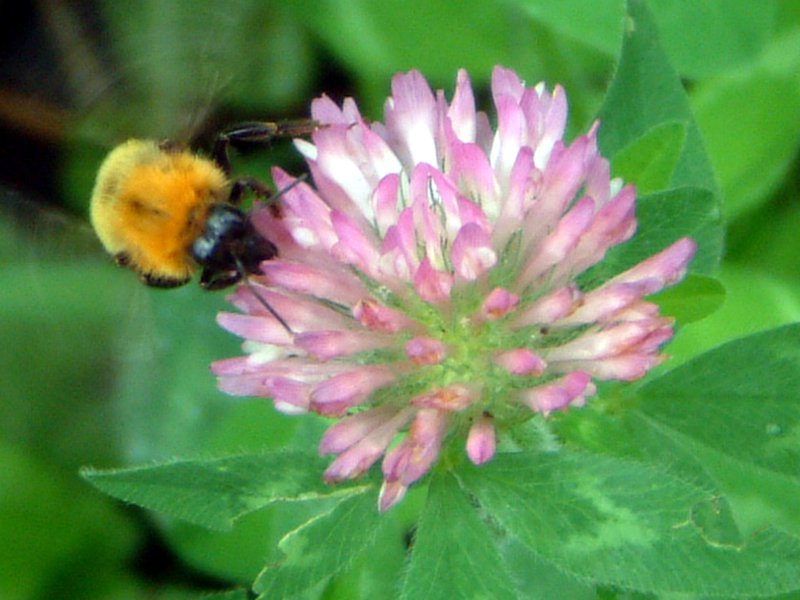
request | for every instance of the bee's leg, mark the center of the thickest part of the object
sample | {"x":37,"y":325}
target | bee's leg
{"x":209,"y":280}
{"x":122,"y":259}
{"x":171,"y":146}
{"x":215,"y":280}
{"x":243,"y":184}
{"x":258,"y":132}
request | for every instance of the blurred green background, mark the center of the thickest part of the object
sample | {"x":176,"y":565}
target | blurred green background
{"x":97,"y":370}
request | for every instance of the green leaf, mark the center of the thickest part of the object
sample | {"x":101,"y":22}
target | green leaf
{"x":451,"y":546}
{"x":788,"y":16}
{"x":748,"y":119}
{"x":239,"y":554}
{"x":763,"y":411}
{"x":714,"y":521}
{"x":215,"y":492}
{"x":382,"y":566}
{"x":695,"y":298}
{"x":644,"y":105}
{"x":704,"y":38}
{"x":737,"y":410}
{"x":615,"y":521}
{"x":668,"y":216}
{"x":650,"y":160}
{"x":754,"y":302}
{"x":323,"y":547}
{"x":537,"y":579}
{"x":645,"y":93}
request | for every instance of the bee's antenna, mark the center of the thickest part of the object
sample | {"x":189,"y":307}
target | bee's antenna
{"x":259,"y":297}
{"x":278,"y":193}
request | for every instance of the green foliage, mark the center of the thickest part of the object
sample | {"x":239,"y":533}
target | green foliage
{"x":664,"y":218}
{"x":50,"y":526}
{"x":703,"y":39}
{"x":744,"y":114}
{"x":595,"y":24}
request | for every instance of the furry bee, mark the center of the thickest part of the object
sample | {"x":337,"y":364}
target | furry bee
{"x":165,"y":211}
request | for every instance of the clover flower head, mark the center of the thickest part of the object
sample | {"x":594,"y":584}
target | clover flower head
{"x":431,"y":278}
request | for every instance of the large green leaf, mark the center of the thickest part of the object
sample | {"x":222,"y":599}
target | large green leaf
{"x":536,"y":579}
{"x":646,"y":111}
{"x":215,"y":492}
{"x":452,"y":545}
{"x":616,"y":521}
{"x":736,"y":411}
{"x":232,"y":595}
{"x":540,"y":42}
{"x":239,"y":554}
{"x":645,"y":93}
{"x":384,"y":38}
{"x":382,"y":565}
{"x":323,"y":547}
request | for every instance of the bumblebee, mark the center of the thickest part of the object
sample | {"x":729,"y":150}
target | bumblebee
{"x":165,"y":211}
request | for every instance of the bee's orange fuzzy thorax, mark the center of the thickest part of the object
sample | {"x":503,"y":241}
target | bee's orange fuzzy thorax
{"x":152,"y":204}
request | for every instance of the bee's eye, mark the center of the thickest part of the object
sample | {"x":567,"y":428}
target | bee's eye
{"x":203,"y":249}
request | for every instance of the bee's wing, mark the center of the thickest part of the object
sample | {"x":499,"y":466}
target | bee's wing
{"x":35,"y":231}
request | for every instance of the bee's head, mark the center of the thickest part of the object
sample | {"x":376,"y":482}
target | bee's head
{"x":229,"y":242}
